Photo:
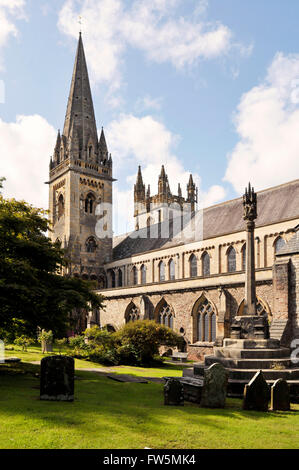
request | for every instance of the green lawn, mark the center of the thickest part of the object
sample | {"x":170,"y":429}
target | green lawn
{"x":34,"y":354}
{"x":109,"y":414}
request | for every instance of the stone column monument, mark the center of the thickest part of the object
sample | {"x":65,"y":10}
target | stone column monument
{"x":250,"y":325}
{"x":249,"y":215}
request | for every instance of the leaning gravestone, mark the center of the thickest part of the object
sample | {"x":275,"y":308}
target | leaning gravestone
{"x":280,"y":396}
{"x":57,"y":378}
{"x":173,"y":393}
{"x":214,"y":387}
{"x":256,"y":394}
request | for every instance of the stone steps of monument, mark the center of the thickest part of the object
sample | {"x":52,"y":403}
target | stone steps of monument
{"x":259,"y":363}
{"x":247,"y":374}
{"x":277,"y":328}
{"x":239,"y":353}
{"x":235,"y":388}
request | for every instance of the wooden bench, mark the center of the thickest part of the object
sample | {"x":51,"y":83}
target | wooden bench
{"x":179,"y":356}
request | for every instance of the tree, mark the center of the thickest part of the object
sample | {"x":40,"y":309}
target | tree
{"x":140,"y":340}
{"x":32,"y":292}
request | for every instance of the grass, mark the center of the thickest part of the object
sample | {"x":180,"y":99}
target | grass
{"x":108,"y":414}
{"x":34,"y":354}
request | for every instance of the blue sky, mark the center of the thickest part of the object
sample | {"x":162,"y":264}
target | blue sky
{"x":208,"y":87}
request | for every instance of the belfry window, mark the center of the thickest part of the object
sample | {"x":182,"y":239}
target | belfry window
{"x":89,"y":204}
{"x":60,"y":206}
{"x":91,"y":245}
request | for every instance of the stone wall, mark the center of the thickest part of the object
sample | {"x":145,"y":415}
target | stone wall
{"x":183,"y":303}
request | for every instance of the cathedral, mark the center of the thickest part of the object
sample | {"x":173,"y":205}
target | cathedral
{"x":181,"y":266}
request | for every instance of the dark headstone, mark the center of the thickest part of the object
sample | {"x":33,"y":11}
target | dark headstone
{"x":173,"y":393}
{"x":256,"y":394}
{"x":213,"y":393}
{"x":57,"y":378}
{"x":280,"y":396}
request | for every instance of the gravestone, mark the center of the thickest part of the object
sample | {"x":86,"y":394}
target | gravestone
{"x":173,"y":393}
{"x":213,"y":393}
{"x":280,"y":396}
{"x":57,"y":378}
{"x":256,"y":394}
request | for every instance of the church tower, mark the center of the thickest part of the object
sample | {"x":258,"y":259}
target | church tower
{"x":80,"y":183}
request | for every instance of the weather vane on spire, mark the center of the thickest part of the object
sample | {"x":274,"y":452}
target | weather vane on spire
{"x":80,"y":23}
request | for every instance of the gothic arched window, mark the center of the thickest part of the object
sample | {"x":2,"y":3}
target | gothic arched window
{"x":112,"y":278}
{"x":120,"y":278}
{"x":231,"y":260}
{"x":243,"y":252}
{"x":166,"y":316}
{"x":143,"y":274}
{"x":205,"y":264}
{"x":91,"y":245}
{"x":279,"y":243}
{"x":206,"y":322}
{"x":89,"y":204}
{"x":132,"y":313}
{"x":193,"y":265}
{"x":134,"y":276}
{"x":161,"y":271}
{"x":171,"y":270}
{"x":60,"y":206}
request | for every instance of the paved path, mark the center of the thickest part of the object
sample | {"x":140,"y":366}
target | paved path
{"x":110,"y":373}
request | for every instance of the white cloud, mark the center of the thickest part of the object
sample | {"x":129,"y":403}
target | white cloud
{"x":147,"y":102}
{"x":10,"y":10}
{"x":26,"y":146}
{"x":152,"y":26}
{"x":267,"y":122}
{"x":147,"y":142}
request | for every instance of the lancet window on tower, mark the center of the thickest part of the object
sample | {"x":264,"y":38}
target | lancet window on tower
{"x":60,"y":211}
{"x":91,"y":245}
{"x":89,"y":204}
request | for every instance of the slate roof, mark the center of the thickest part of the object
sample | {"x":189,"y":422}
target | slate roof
{"x":274,"y":205}
{"x":292,"y":246}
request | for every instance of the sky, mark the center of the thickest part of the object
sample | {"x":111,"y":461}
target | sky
{"x":209,"y":87}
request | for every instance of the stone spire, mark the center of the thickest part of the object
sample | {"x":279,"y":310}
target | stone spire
{"x":80,"y":112}
{"x":139,"y":187}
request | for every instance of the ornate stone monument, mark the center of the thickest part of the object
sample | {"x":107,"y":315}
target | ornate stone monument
{"x":250,"y":325}
{"x":248,"y":348}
